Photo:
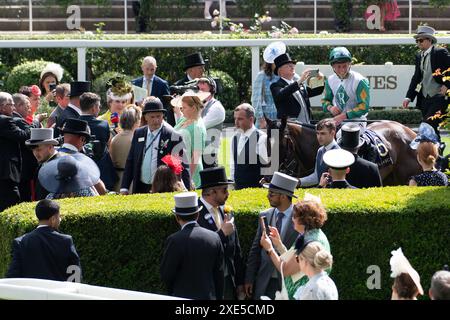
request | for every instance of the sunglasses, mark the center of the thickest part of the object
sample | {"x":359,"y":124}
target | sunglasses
{"x":420,"y":40}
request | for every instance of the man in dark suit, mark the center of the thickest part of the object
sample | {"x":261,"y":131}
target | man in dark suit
{"x":44,"y":253}
{"x":429,"y":88}
{"x":90,"y":107}
{"x":338,"y":162}
{"x":154,"y":85}
{"x":248,"y":149}
{"x":10,"y":158}
{"x":29,"y":163}
{"x":42,"y":146}
{"x":214,"y":185}
{"x":72,"y":111}
{"x":261,"y":278}
{"x":194,"y":67}
{"x":363,"y":173}
{"x":291,"y":96}
{"x":192,"y":263}
{"x":149,"y":145}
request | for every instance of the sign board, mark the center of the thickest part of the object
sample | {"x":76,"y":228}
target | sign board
{"x":388,"y":83}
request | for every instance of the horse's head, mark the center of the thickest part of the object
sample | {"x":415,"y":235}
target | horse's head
{"x":276,"y":129}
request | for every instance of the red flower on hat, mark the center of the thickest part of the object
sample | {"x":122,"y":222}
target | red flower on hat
{"x":35,"y":90}
{"x":174,"y":163}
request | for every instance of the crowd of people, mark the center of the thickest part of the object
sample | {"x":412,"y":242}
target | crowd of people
{"x":151,"y":140}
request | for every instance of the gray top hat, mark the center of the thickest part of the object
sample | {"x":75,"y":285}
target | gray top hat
{"x":426,"y":32}
{"x":338,"y":159}
{"x":41,"y":136}
{"x":282,"y":183}
{"x":186,"y":204}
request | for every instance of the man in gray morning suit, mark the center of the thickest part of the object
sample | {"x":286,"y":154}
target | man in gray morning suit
{"x":262,"y":279}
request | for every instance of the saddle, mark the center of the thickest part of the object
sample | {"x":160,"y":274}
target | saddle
{"x":375,"y":150}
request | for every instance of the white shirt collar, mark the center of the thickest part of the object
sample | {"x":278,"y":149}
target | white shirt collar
{"x":75,"y":108}
{"x":330,"y":145}
{"x":424,"y":53}
{"x":187,"y":223}
{"x":154,"y":132}
{"x":249,"y":132}
{"x":69,"y":146}
{"x":288,"y":81}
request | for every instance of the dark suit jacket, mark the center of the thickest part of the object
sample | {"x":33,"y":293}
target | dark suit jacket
{"x":29,"y":162}
{"x":41,"y":192}
{"x":364,"y":174}
{"x":259,"y":265}
{"x":11,"y":158}
{"x":231,"y":246}
{"x":160,"y":87}
{"x":182,"y":81}
{"x":284,"y":100}
{"x":439,"y":58}
{"x":68,"y":113}
{"x":135,"y":156}
{"x":192,"y":264}
{"x":340,"y":185}
{"x":43,"y":253}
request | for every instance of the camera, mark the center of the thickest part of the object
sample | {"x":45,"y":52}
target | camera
{"x":52,"y":86}
{"x":182,"y":89}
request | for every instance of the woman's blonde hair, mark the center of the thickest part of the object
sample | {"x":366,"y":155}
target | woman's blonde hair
{"x":316,"y":255}
{"x":193,"y":101}
{"x":427,"y":152}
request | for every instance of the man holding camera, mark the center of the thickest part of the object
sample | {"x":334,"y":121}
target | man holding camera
{"x":291,"y":97}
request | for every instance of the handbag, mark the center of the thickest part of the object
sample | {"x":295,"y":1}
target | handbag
{"x":283,"y":294}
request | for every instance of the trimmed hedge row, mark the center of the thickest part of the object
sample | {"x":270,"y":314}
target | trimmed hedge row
{"x":120,"y":239}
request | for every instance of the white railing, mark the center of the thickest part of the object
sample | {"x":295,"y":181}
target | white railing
{"x":125,"y":4}
{"x":255,"y":44}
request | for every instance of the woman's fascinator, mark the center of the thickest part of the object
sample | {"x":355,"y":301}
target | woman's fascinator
{"x":399,"y":264}
{"x":173,"y":163}
{"x":119,"y":88}
{"x":55,"y":69}
{"x":426,"y":134}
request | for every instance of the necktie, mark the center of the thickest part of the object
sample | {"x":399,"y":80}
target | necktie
{"x":279,"y":222}
{"x":149,"y":88}
{"x":146,"y":173}
{"x":216,"y":217}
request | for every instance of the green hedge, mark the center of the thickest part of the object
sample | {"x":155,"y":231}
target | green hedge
{"x":120,"y":239}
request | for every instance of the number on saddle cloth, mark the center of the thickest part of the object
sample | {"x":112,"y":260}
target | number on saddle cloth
{"x":373,"y":141}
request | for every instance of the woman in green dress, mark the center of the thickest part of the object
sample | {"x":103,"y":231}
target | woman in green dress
{"x":308,"y":217}
{"x":189,"y":124}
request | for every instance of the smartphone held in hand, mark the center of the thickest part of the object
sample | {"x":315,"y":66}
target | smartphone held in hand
{"x":265,"y":225}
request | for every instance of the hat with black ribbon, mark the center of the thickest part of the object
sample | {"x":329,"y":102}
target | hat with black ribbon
{"x":186,"y":204}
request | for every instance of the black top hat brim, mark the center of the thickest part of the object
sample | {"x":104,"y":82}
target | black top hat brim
{"x":282,"y":64}
{"x":279,"y":190}
{"x":187,"y":211}
{"x":360,"y":143}
{"x":216,"y":184}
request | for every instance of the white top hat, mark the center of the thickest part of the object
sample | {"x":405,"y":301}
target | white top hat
{"x":399,"y":264}
{"x":186,"y":203}
{"x":41,"y":136}
{"x":282,"y":183}
{"x":338,"y":158}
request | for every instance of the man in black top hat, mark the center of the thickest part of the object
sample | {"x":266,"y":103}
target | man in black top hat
{"x":363,"y":173}
{"x":291,"y":96}
{"x":214,"y":185}
{"x":73,"y":110}
{"x":44,"y":253}
{"x":429,"y":88}
{"x":194,"y":66}
{"x":192,"y":263}
{"x":148,"y":146}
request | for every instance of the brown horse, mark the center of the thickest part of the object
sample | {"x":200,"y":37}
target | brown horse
{"x":298,"y":146}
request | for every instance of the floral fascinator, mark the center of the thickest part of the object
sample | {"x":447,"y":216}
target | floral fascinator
{"x":399,"y":265}
{"x":119,"y":88}
{"x":173,"y":163}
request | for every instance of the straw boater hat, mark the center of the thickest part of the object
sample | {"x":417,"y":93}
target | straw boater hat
{"x":186,"y":204}
{"x":119,"y":89}
{"x":399,"y":265}
{"x":426,"y":32}
{"x":54,"y":69}
{"x":41,"y":136}
{"x":282,"y":183}
{"x":201,"y":95}
{"x":338,"y":159}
